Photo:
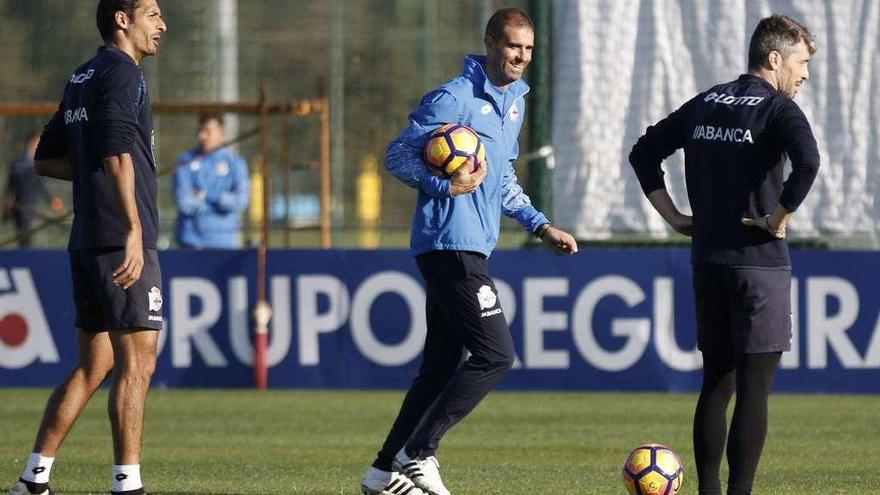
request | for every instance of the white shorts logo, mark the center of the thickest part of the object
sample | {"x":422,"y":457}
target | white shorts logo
{"x":24,"y":332}
{"x":155,"y":298}
{"x":487,"y":297}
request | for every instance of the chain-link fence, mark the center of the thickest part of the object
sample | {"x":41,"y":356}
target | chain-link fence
{"x":373,"y":59}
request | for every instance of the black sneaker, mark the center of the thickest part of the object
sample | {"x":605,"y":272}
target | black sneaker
{"x":22,"y":487}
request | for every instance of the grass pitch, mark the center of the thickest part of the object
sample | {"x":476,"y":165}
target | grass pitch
{"x":319,"y":443}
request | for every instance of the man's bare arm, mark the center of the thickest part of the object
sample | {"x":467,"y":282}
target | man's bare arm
{"x":121,"y":169}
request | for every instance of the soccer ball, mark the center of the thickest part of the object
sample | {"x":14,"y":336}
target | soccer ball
{"x":652,"y":469}
{"x":450,"y":146}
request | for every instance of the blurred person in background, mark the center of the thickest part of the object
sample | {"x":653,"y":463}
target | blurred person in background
{"x":211,"y":188}
{"x":455,"y":228}
{"x":23,"y":190}
{"x":101,"y":139}
{"x":737,"y":138}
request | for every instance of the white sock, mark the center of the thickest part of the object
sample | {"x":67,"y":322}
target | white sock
{"x":38,"y":468}
{"x":126,"y":477}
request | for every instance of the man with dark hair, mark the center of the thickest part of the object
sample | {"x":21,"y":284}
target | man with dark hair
{"x":455,"y":228}
{"x":23,"y":189}
{"x":736,"y":137}
{"x":101,"y":139}
{"x":211,"y":188}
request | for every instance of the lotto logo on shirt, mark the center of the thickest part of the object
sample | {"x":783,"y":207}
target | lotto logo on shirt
{"x":82,"y":77}
{"x":725,"y":99}
{"x":24,"y":333}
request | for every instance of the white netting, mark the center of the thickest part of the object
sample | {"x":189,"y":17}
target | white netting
{"x":621,"y":65}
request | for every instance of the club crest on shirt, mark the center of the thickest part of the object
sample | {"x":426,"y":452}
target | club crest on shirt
{"x":222,"y":169}
{"x":513,"y":113}
{"x":487,"y":109}
{"x":195,"y":165}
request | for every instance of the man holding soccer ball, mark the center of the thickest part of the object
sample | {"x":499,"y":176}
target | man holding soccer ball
{"x":455,"y":228}
{"x":736,"y":137}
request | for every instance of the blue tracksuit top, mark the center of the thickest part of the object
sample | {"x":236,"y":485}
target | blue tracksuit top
{"x":468,"y":222}
{"x":210,"y":190}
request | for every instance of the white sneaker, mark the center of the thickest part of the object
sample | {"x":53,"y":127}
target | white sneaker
{"x":20,"y":488}
{"x":425,"y":473}
{"x":378,"y":482}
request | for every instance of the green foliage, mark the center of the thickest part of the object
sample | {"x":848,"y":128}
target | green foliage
{"x":319,"y":443}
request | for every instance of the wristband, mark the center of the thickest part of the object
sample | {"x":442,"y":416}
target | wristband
{"x":542,"y":230}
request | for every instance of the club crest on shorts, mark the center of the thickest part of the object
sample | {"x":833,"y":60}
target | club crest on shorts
{"x":487,"y":297}
{"x":155,"y":298}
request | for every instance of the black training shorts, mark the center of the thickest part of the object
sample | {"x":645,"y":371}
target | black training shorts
{"x":743,"y":309}
{"x":102,"y":305}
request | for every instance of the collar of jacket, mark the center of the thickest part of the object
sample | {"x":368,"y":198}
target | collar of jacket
{"x":221,"y":153}
{"x":473,"y":70}
{"x":751,"y":78}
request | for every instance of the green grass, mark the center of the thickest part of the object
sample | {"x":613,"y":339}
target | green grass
{"x":319,"y":443}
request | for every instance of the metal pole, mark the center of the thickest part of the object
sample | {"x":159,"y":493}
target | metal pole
{"x":540,"y":164}
{"x":227,"y":57}
{"x":286,"y":170}
{"x":484,"y":12}
{"x":262,"y":311}
{"x":430,"y":15}
{"x":337,"y":111}
{"x":325,"y":176}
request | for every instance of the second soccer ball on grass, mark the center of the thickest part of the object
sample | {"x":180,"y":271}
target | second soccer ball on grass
{"x":652,"y":469}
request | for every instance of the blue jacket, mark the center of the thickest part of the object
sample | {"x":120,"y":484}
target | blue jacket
{"x":468,"y":222}
{"x":210,"y":191}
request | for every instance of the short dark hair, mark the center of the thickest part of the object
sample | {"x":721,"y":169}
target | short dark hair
{"x":105,"y":16}
{"x":510,"y":16}
{"x":777,"y":33}
{"x":207,"y":117}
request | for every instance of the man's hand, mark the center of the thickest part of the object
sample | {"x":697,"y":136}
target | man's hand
{"x":130,"y":270}
{"x":683,"y":224}
{"x":774,"y":223}
{"x":557,"y":239}
{"x":463,"y":181}
{"x":776,"y":229}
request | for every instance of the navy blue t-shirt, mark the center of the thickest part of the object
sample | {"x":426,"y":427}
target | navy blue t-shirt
{"x":105,"y":112}
{"x":736,"y":138}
